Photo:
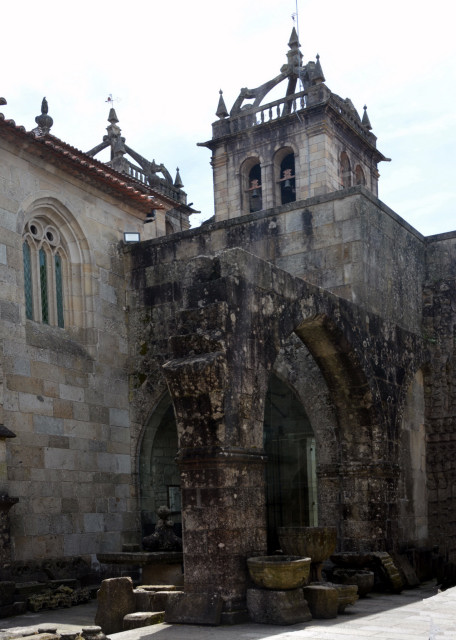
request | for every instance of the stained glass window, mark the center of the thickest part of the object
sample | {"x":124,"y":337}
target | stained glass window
{"x":28,"y":281}
{"x":59,"y":289}
{"x":44,"y":287}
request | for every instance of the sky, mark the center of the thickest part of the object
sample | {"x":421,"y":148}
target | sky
{"x":164,"y":65}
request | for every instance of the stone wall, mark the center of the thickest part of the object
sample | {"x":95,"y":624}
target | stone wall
{"x":65,"y":390}
{"x":439,"y":329}
{"x":218,"y":325}
{"x":347,"y":242}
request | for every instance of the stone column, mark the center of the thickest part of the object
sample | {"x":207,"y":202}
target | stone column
{"x":222,"y":477}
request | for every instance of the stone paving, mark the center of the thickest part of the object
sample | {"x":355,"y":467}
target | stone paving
{"x":416,"y":614}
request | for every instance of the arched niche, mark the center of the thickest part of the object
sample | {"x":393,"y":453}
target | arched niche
{"x":360,"y":178}
{"x":159,"y":478}
{"x":345,"y":171}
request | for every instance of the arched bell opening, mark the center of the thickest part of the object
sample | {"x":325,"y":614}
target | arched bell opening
{"x":291,"y":478}
{"x":159,"y":475}
{"x":287,"y":179}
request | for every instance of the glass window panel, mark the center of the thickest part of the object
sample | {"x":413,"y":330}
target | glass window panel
{"x":59,"y":289}
{"x":28,"y":287}
{"x":44,"y":287}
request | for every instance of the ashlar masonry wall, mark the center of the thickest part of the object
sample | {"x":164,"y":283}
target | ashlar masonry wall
{"x":65,"y":390}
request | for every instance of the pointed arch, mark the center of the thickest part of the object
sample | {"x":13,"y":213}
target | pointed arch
{"x":57,"y":260}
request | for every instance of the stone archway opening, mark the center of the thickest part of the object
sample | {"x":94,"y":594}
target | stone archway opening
{"x":291,"y":478}
{"x":159,"y":476}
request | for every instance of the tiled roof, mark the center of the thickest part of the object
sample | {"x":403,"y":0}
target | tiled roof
{"x":84,"y":167}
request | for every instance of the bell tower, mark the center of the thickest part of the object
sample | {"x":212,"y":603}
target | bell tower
{"x":308,"y":143}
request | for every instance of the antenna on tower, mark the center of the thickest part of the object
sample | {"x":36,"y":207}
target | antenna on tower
{"x":295,"y":18}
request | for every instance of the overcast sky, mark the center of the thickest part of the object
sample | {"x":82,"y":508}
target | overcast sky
{"x":164,"y":64}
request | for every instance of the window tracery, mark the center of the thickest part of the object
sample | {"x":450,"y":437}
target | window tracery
{"x":45,"y":266}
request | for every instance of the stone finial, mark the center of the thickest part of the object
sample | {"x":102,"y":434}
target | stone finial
{"x":294,"y":55}
{"x":222,"y":111}
{"x":293,"y":43}
{"x":365,"y":121}
{"x":318,"y":75}
{"x":112,"y":118}
{"x":44,"y":121}
{"x":178,"y":181}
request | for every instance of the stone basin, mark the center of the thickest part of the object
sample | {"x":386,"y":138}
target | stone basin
{"x":317,"y":542}
{"x":279,"y":572}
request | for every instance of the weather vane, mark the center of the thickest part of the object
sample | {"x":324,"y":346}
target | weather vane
{"x":110,"y":99}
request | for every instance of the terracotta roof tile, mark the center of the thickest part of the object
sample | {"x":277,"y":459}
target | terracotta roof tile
{"x":84,"y":166}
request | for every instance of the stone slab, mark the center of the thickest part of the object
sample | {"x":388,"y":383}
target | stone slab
{"x":267,"y":606}
{"x":194,"y":608}
{"x":115,"y":600}
{"x":142,"y":619}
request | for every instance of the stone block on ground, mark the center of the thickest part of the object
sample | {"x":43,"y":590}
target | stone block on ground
{"x":142,"y":619}
{"x":348,"y":594}
{"x":115,"y":600}
{"x":406,"y":570}
{"x":151,"y":600}
{"x":194,"y":608}
{"x":266,"y":606}
{"x":363,"y":579}
{"x":323,"y":600}
{"x":392,"y":578}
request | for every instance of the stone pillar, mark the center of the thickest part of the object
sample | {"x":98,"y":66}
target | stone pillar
{"x":222,"y":478}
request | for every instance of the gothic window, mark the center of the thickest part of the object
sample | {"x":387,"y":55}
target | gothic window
{"x":287,"y":179}
{"x":345,"y":171}
{"x":359,"y":175}
{"x":45,"y":265}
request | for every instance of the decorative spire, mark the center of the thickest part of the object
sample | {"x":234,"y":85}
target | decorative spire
{"x":222,"y":111}
{"x":44,"y":121}
{"x":178,"y":181}
{"x":318,"y":75}
{"x":112,"y":118}
{"x":365,"y":121}
{"x":294,"y":55}
{"x":294,"y":40}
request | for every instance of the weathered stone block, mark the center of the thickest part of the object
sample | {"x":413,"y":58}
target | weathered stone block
{"x":142,"y":619}
{"x":115,"y":600}
{"x":194,"y":608}
{"x":322,"y":599}
{"x":266,"y":606}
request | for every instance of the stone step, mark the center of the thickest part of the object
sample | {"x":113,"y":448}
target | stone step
{"x":142,"y":619}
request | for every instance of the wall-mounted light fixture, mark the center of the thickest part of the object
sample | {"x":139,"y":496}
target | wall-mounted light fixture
{"x":131,"y":236}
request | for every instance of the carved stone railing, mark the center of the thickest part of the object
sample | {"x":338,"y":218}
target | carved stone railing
{"x":157,"y":183}
{"x":353,"y":118}
{"x":251,"y":117}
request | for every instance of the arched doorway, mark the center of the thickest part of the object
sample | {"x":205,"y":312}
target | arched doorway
{"x":159,"y":475}
{"x":291,"y":480}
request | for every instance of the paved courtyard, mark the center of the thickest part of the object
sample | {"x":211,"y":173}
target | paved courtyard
{"x":415,"y":614}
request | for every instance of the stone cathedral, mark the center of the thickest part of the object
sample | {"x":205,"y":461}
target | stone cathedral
{"x":289,"y":362}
